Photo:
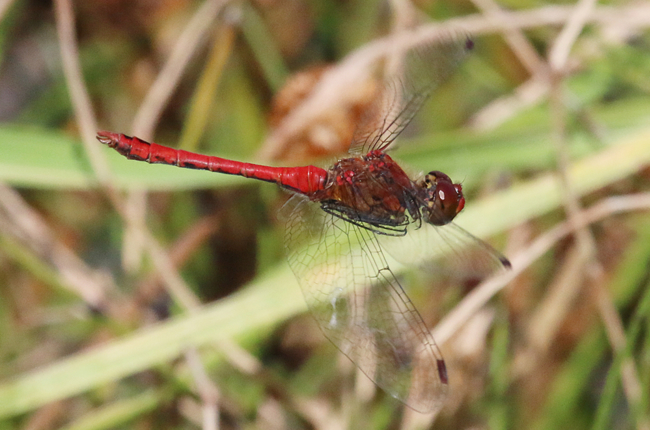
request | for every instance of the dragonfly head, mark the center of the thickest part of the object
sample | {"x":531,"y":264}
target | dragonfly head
{"x":443,"y":199}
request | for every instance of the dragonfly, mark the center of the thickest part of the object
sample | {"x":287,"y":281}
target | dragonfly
{"x":340,"y":222}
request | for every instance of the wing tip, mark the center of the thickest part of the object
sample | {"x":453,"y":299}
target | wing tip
{"x":442,"y":371}
{"x":469,"y":44}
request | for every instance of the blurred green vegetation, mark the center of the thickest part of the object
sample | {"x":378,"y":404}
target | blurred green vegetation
{"x":66,"y":364}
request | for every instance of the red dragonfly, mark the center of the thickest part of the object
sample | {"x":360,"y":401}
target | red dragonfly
{"x":340,"y":221}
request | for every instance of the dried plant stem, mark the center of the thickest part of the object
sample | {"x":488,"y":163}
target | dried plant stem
{"x":514,"y":36}
{"x":19,"y":220}
{"x":188,"y":43}
{"x":559,"y":54}
{"x":81,"y":101}
{"x":206,"y":388}
{"x":499,"y":110}
{"x":591,"y":268}
{"x":4,"y":6}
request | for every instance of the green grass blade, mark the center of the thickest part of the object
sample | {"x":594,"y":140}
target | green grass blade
{"x":117,"y":413}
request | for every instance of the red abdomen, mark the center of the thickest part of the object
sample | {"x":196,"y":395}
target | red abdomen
{"x":305,"y":179}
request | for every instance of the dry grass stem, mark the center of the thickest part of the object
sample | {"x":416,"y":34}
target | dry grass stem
{"x":4,"y":6}
{"x":520,"y":45}
{"x":188,"y":43}
{"x":208,"y":391}
{"x":558,"y":301}
{"x":498,"y":111}
{"x":616,"y":335}
{"x":19,"y":220}
{"x":559,"y":54}
{"x":558,"y":58}
{"x":135,"y":206}
{"x":320,"y":414}
{"x":80,"y":100}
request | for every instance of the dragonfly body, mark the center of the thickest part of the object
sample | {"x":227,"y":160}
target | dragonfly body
{"x":371,"y":190}
{"x":343,"y":219}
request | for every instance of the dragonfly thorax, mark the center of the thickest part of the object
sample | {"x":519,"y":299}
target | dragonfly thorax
{"x":371,"y":191}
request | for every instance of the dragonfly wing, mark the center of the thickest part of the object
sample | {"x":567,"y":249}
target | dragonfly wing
{"x":405,"y":89}
{"x":447,"y":250}
{"x":361,"y":308}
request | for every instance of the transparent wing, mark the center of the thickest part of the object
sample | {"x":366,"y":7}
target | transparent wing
{"x":405,"y":89}
{"x":360,"y":306}
{"x":446,"y":250}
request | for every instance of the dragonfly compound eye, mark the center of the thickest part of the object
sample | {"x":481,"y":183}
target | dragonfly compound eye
{"x":444,"y":199}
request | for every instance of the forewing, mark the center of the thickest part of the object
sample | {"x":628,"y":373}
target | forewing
{"x":446,"y":250}
{"x":407,"y":85}
{"x":360,"y":306}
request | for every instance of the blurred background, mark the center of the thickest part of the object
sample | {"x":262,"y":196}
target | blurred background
{"x":139,"y":296}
